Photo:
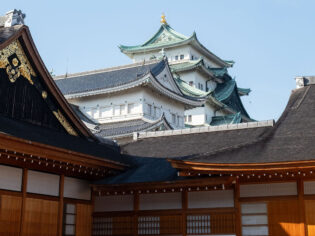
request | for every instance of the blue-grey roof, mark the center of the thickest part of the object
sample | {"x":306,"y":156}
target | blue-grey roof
{"x":144,"y":170}
{"x":128,"y":127}
{"x":107,"y":79}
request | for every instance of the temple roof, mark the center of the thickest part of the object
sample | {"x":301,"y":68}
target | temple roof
{"x":189,"y":142}
{"x":167,"y":37}
{"x":292,"y":138}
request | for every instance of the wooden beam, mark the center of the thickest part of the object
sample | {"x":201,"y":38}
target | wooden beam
{"x":136,"y":206}
{"x":184,"y":212}
{"x":61,"y":203}
{"x":300,"y":188}
{"x":237,"y":206}
{"x":24,"y":189}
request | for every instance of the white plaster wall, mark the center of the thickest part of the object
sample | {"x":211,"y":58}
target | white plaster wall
{"x":42,"y":183}
{"x":166,"y":105}
{"x":197,"y":116}
{"x":113,"y":203}
{"x":309,"y":187}
{"x":208,"y":61}
{"x":77,"y":188}
{"x":130,"y":96}
{"x":211,"y":199}
{"x":273,"y":189}
{"x":10,"y":178}
{"x":160,"y":201}
{"x":169,"y":52}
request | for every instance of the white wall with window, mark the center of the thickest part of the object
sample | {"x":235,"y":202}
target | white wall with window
{"x":126,"y":105}
{"x":173,"y":110}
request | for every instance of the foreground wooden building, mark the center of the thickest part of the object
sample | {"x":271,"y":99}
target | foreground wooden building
{"x":47,"y":156}
{"x":56,"y":178}
{"x":246,"y":179}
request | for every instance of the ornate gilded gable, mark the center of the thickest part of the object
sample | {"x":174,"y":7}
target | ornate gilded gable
{"x":23,"y":95}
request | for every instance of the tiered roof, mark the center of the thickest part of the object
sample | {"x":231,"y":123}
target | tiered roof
{"x":167,"y":37}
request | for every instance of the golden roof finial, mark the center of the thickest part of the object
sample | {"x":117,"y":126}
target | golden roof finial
{"x":163,"y":20}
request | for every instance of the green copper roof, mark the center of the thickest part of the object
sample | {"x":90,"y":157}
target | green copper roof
{"x":166,"y":35}
{"x":226,"y":120}
{"x":243,"y":91}
{"x":186,"y":65}
{"x":190,"y":90}
{"x":224,"y":91}
{"x":219,"y":72}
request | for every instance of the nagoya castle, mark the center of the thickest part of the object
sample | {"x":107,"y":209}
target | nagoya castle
{"x":174,"y":82}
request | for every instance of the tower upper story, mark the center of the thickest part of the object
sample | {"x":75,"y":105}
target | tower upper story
{"x":177,"y":47}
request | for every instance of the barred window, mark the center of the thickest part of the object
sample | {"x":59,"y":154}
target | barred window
{"x":198,"y":224}
{"x":69,"y":219}
{"x":148,"y":225}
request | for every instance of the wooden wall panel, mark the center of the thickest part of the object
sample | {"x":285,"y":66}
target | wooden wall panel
{"x":222,"y":223}
{"x":284,"y":218}
{"x":41,"y":217}
{"x":83,"y":220}
{"x":310,"y":216}
{"x":10,"y":215}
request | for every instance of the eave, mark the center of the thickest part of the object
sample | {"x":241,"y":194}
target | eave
{"x":200,"y":168}
{"x":34,"y":155}
{"x":147,"y":80}
{"x":158,"y":187}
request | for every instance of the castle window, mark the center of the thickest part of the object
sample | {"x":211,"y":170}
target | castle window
{"x":122,"y":109}
{"x":176,"y":58}
{"x":69,"y":219}
{"x":173,"y":118}
{"x":149,"y":109}
{"x":189,"y":118}
{"x":182,"y":57}
{"x":131,"y":108}
{"x":192,"y":57}
{"x":117,"y":110}
{"x":106,"y":111}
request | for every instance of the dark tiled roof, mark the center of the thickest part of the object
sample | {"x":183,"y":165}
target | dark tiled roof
{"x":27,"y":131}
{"x":7,"y":32}
{"x":144,"y":170}
{"x":126,"y":127}
{"x":180,"y":146}
{"x":291,"y":139}
{"x":107,"y":79}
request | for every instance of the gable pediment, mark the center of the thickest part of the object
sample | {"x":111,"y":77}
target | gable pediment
{"x":24,"y":96}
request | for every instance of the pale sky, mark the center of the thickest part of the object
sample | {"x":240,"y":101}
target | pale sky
{"x":271,"y":41}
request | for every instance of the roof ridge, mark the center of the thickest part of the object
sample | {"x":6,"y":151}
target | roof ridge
{"x":154,"y":134}
{"x":109,"y":69}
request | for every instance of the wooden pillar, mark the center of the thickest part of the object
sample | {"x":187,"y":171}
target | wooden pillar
{"x":300,"y":186}
{"x":184,"y":212}
{"x":135,"y":216}
{"x":24,"y":188}
{"x":237,"y":206}
{"x":60,"y":212}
